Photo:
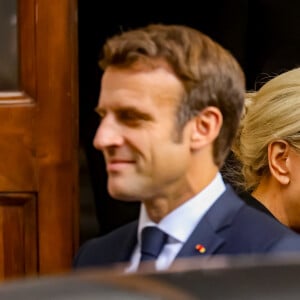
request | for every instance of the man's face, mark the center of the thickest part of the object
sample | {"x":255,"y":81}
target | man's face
{"x":144,"y":159}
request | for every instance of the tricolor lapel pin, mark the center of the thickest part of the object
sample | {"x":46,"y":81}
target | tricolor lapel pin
{"x":200,"y":248}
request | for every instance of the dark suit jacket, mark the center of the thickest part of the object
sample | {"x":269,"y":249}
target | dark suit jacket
{"x":250,"y":200}
{"x":229,"y":227}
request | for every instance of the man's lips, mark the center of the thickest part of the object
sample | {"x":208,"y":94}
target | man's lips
{"x":118,"y":164}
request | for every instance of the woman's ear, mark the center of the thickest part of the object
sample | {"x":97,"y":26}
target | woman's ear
{"x":207,"y":126}
{"x":278,"y":156}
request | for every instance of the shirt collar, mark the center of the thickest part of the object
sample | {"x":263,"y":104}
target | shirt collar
{"x":180,"y":223}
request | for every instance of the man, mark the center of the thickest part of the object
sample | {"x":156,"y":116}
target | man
{"x":170,"y":104}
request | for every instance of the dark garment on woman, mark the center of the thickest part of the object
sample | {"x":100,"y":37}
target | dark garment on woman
{"x":250,"y":200}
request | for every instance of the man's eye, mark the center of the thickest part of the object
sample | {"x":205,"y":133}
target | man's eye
{"x":101,"y":116}
{"x":127,"y":115}
{"x":130,"y":118}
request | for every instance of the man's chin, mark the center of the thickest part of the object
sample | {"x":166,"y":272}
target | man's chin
{"x":123,"y":195}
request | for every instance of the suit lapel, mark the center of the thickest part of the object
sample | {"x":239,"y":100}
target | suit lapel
{"x":127,"y":242}
{"x":207,"y":237}
{"x":203,"y":241}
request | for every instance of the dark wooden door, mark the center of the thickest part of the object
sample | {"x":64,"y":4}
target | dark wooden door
{"x":39,"y":144}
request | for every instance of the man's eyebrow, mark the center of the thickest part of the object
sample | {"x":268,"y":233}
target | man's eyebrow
{"x":126,"y":109}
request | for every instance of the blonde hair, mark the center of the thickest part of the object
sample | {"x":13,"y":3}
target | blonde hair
{"x":271,"y":113}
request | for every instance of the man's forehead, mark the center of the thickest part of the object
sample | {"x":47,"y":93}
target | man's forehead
{"x":137,"y":87}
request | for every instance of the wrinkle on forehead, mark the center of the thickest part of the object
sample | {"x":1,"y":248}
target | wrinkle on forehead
{"x":159,"y":82}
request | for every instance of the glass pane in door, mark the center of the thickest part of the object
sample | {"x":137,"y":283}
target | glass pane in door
{"x":8,"y":46}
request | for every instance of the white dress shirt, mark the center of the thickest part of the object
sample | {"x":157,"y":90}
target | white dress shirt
{"x":179,"y":224}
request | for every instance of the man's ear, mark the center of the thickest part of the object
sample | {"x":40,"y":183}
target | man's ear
{"x":278,"y":155}
{"x":207,"y":126}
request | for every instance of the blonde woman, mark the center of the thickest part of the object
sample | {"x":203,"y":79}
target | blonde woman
{"x":268,"y":149}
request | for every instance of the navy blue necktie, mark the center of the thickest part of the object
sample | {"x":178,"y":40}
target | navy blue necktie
{"x":152,"y":242}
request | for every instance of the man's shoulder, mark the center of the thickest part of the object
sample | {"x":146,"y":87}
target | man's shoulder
{"x":110,"y":248}
{"x":257,"y":228}
{"x":113,"y":235}
{"x":250,"y":216}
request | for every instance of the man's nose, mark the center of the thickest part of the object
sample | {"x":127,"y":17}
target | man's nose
{"x":108,"y":134}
